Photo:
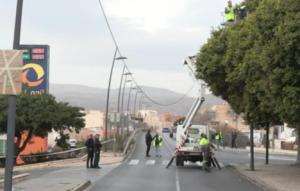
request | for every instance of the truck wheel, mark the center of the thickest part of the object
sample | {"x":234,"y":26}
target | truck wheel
{"x":179,"y":161}
{"x":182,"y":163}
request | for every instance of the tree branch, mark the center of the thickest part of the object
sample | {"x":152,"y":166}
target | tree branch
{"x":29,"y":136}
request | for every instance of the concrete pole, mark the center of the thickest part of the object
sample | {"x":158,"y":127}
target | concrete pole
{"x":122,"y":106}
{"x":11,"y":121}
{"x":128,"y":109}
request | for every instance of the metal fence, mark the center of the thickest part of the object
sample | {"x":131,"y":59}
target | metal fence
{"x":44,"y":157}
{"x":2,"y":148}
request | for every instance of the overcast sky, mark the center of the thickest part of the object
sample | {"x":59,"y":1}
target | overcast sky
{"x":155,"y":35}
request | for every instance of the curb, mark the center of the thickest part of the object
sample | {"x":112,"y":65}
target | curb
{"x":16,"y":178}
{"x":81,"y":187}
{"x":260,"y":183}
{"x":130,"y":151}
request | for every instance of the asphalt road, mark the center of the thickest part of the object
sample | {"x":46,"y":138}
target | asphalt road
{"x":232,"y":157}
{"x":149,"y":174}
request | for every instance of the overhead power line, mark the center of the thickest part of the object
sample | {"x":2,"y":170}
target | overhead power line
{"x":127,"y":68}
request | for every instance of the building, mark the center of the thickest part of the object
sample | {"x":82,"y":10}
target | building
{"x":94,"y":124}
{"x":224,"y":117}
{"x":151,"y":118}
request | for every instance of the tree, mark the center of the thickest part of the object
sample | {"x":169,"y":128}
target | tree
{"x":62,"y":141}
{"x":39,"y":115}
{"x":254,"y":64}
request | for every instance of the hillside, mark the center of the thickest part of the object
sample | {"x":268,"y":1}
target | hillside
{"x":95,"y":98}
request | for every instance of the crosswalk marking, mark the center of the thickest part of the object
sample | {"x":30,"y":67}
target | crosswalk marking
{"x":221,"y":165}
{"x":134,"y":162}
{"x":150,"y":162}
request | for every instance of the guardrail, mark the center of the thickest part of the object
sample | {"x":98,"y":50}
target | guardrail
{"x":73,"y":153}
{"x":130,"y":139}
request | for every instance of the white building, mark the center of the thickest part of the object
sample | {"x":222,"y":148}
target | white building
{"x":151,"y":118}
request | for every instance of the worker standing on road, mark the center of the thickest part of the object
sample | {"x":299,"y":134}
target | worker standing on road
{"x":205,"y":149}
{"x":218,"y":138}
{"x":234,"y":135}
{"x":157,"y":142}
{"x":90,"y":151}
{"x":97,"y":150}
{"x":148,"y":139}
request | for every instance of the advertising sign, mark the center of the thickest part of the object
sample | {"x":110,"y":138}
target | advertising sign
{"x":10,"y":72}
{"x":35,"y":77}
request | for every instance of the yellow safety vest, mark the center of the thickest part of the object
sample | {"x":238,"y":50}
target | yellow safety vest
{"x":230,"y":16}
{"x":218,"y":136}
{"x":159,"y":139}
{"x":203,"y":141}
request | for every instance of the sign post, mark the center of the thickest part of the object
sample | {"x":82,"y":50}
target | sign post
{"x":11,"y":62}
{"x":35,"y":75}
{"x":9,"y":162}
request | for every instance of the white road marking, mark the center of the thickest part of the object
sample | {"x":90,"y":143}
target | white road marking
{"x":177,"y":181}
{"x":134,"y":162}
{"x":150,"y":162}
{"x":221,"y":165}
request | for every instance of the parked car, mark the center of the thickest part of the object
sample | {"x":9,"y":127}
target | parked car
{"x":166,"y":130}
{"x":73,"y":143}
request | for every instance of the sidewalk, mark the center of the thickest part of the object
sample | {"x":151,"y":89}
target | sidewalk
{"x":71,"y":173}
{"x":263,"y":150}
{"x":106,"y":158}
{"x":274,"y":177}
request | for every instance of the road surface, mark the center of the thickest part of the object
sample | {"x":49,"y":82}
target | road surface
{"x":149,"y":174}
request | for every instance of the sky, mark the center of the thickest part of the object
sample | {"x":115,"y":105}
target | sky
{"x":155,"y":35}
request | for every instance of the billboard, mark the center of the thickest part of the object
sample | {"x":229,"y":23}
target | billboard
{"x":10,"y":72}
{"x":35,"y":77}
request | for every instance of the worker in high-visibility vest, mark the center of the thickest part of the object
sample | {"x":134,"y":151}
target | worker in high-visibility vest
{"x":229,"y":12}
{"x":205,"y":148}
{"x":218,"y":138}
{"x":157,"y":143}
{"x":203,"y":140}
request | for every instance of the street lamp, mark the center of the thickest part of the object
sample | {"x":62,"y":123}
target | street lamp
{"x":129,"y":98}
{"x":119,"y":93}
{"x":128,"y":104}
{"x":135,"y":100}
{"x":108,"y":89}
{"x":141,"y":102}
{"x":122,"y":104}
{"x":120,"y":87}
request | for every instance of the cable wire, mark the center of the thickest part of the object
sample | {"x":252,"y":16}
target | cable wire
{"x":127,"y":68}
{"x":163,"y":104}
